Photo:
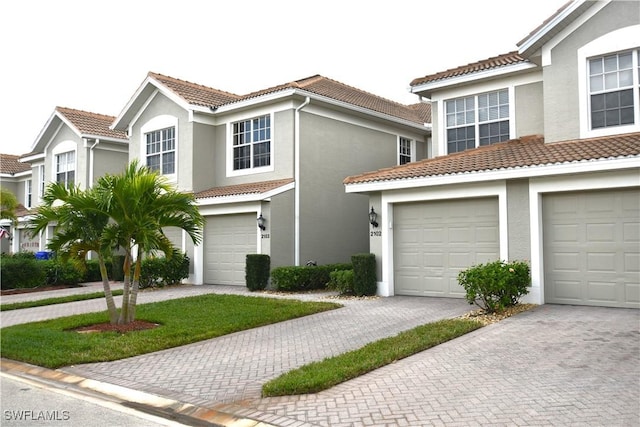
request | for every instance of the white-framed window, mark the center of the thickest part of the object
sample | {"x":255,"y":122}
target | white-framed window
{"x":614,"y":89}
{"x":42,"y":179}
{"x":251,"y":140}
{"x":28,"y":193}
{"x":406,"y":150}
{"x":161,"y":150}
{"x":477,"y":120}
{"x":65,"y":164}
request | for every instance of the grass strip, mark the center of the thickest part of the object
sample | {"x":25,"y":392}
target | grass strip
{"x":318,"y":376}
{"x":55,"y":300}
{"x":53,"y":343}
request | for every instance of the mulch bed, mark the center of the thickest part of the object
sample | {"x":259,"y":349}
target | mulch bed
{"x":38,"y":289}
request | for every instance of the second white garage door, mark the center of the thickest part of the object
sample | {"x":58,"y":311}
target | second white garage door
{"x":227,"y":240}
{"x":592,"y":248}
{"x":434,"y":241}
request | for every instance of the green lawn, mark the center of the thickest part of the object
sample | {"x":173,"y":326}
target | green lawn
{"x":55,"y":300}
{"x":322,"y":375}
{"x":53,"y":343}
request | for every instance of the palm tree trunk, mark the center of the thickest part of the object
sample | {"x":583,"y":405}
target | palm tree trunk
{"x":111,"y":305}
{"x":126,"y":288}
{"x":134,"y":288}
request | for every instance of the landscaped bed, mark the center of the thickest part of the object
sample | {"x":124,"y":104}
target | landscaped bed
{"x":57,"y":342}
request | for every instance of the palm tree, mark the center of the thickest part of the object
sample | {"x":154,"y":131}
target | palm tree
{"x":140,"y":203}
{"x":8,"y":204}
{"x":80,"y":227}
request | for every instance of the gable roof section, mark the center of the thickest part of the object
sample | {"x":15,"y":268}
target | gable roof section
{"x":9,"y":165}
{"x":529,"y":151}
{"x":253,"y":188}
{"x":193,"y":93}
{"x":90,"y":124}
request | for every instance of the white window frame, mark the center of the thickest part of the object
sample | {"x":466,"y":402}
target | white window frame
{"x":42,"y":180}
{"x":230,"y":146}
{"x":618,"y":41}
{"x":475,"y":121}
{"x":160,"y":123}
{"x":28,"y":193}
{"x":64,"y":149}
{"x":411,"y":157}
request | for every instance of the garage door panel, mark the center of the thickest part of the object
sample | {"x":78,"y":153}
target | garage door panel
{"x":450,"y":236}
{"x":591,"y":254}
{"x":227,"y":240}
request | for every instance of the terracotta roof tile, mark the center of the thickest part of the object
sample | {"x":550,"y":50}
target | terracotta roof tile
{"x":91,"y":123}
{"x":485,"y":64}
{"x":9,"y":164}
{"x":194,"y":93}
{"x":527,"y":151}
{"x":21,"y":211}
{"x":243,"y":189}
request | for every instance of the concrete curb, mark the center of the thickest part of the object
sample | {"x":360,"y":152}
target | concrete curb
{"x":145,"y":402}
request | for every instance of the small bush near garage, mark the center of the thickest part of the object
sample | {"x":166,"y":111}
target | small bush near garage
{"x":22,"y":270}
{"x":257,"y":271}
{"x":341,"y":281}
{"x":365,"y":281}
{"x":157,"y":272}
{"x":307,"y":278}
{"x":496,"y":285}
{"x":63,"y":271}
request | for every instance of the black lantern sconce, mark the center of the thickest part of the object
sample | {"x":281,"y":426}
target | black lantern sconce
{"x":261,"y":222}
{"x":373,"y":217}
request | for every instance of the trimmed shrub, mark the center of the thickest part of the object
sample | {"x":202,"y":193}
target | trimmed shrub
{"x":365,"y":281}
{"x":62,"y":272}
{"x":296,"y":279}
{"x":21,"y":271}
{"x":164,"y":271}
{"x":257,"y":271}
{"x":496,"y":285}
{"x":341,"y":281}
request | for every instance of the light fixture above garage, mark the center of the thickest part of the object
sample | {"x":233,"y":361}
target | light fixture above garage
{"x":373,"y":217}
{"x":261,"y":222}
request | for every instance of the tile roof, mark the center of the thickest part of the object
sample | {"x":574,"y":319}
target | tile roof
{"x":545,"y":22}
{"x":91,"y":123}
{"x":196,"y":94}
{"x":528,"y":151}
{"x":483,"y":65}
{"x":243,"y":189}
{"x":9,"y":164}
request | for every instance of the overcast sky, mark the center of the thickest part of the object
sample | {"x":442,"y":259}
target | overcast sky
{"x":93,"y":55}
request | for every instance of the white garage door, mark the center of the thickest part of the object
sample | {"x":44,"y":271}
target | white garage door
{"x":591,"y":244}
{"x":227,"y":241}
{"x":434,"y":241}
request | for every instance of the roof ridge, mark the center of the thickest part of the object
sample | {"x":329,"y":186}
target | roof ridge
{"x":192,"y":84}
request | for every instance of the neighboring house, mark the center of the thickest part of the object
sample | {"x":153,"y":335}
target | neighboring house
{"x":74,"y":147}
{"x":536,"y":157}
{"x":279,"y":154}
{"x":16,"y":178}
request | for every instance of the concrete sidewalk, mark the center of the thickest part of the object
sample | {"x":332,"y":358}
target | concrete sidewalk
{"x":554,"y":365}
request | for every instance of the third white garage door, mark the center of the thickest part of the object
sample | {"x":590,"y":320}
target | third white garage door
{"x":227,"y":241}
{"x":434,"y":241}
{"x":591,"y":244}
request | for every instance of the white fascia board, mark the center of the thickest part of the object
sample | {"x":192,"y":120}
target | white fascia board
{"x":43,"y":130}
{"x":533,"y":39}
{"x":103,"y":138}
{"x":31,"y":158}
{"x":290,"y":92}
{"x":472,"y":77}
{"x":504,"y":174}
{"x":253,"y":197}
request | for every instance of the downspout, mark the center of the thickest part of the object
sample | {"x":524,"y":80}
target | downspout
{"x":90,"y":183}
{"x":296,"y":175}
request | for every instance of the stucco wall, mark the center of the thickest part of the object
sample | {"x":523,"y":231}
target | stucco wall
{"x":518,"y":219}
{"x":529,"y":116}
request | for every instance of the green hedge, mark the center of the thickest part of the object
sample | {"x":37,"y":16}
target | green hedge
{"x":21,"y":271}
{"x":257,"y":271}
{"x":341,"y":281}
{"x":364,"y":274}
{"x":307,"y":278}
{"x":164,"y":271}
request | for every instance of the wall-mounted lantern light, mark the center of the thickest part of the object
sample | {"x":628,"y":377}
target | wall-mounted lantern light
{"x":261,"y":222}
{"x":373,"y":217}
